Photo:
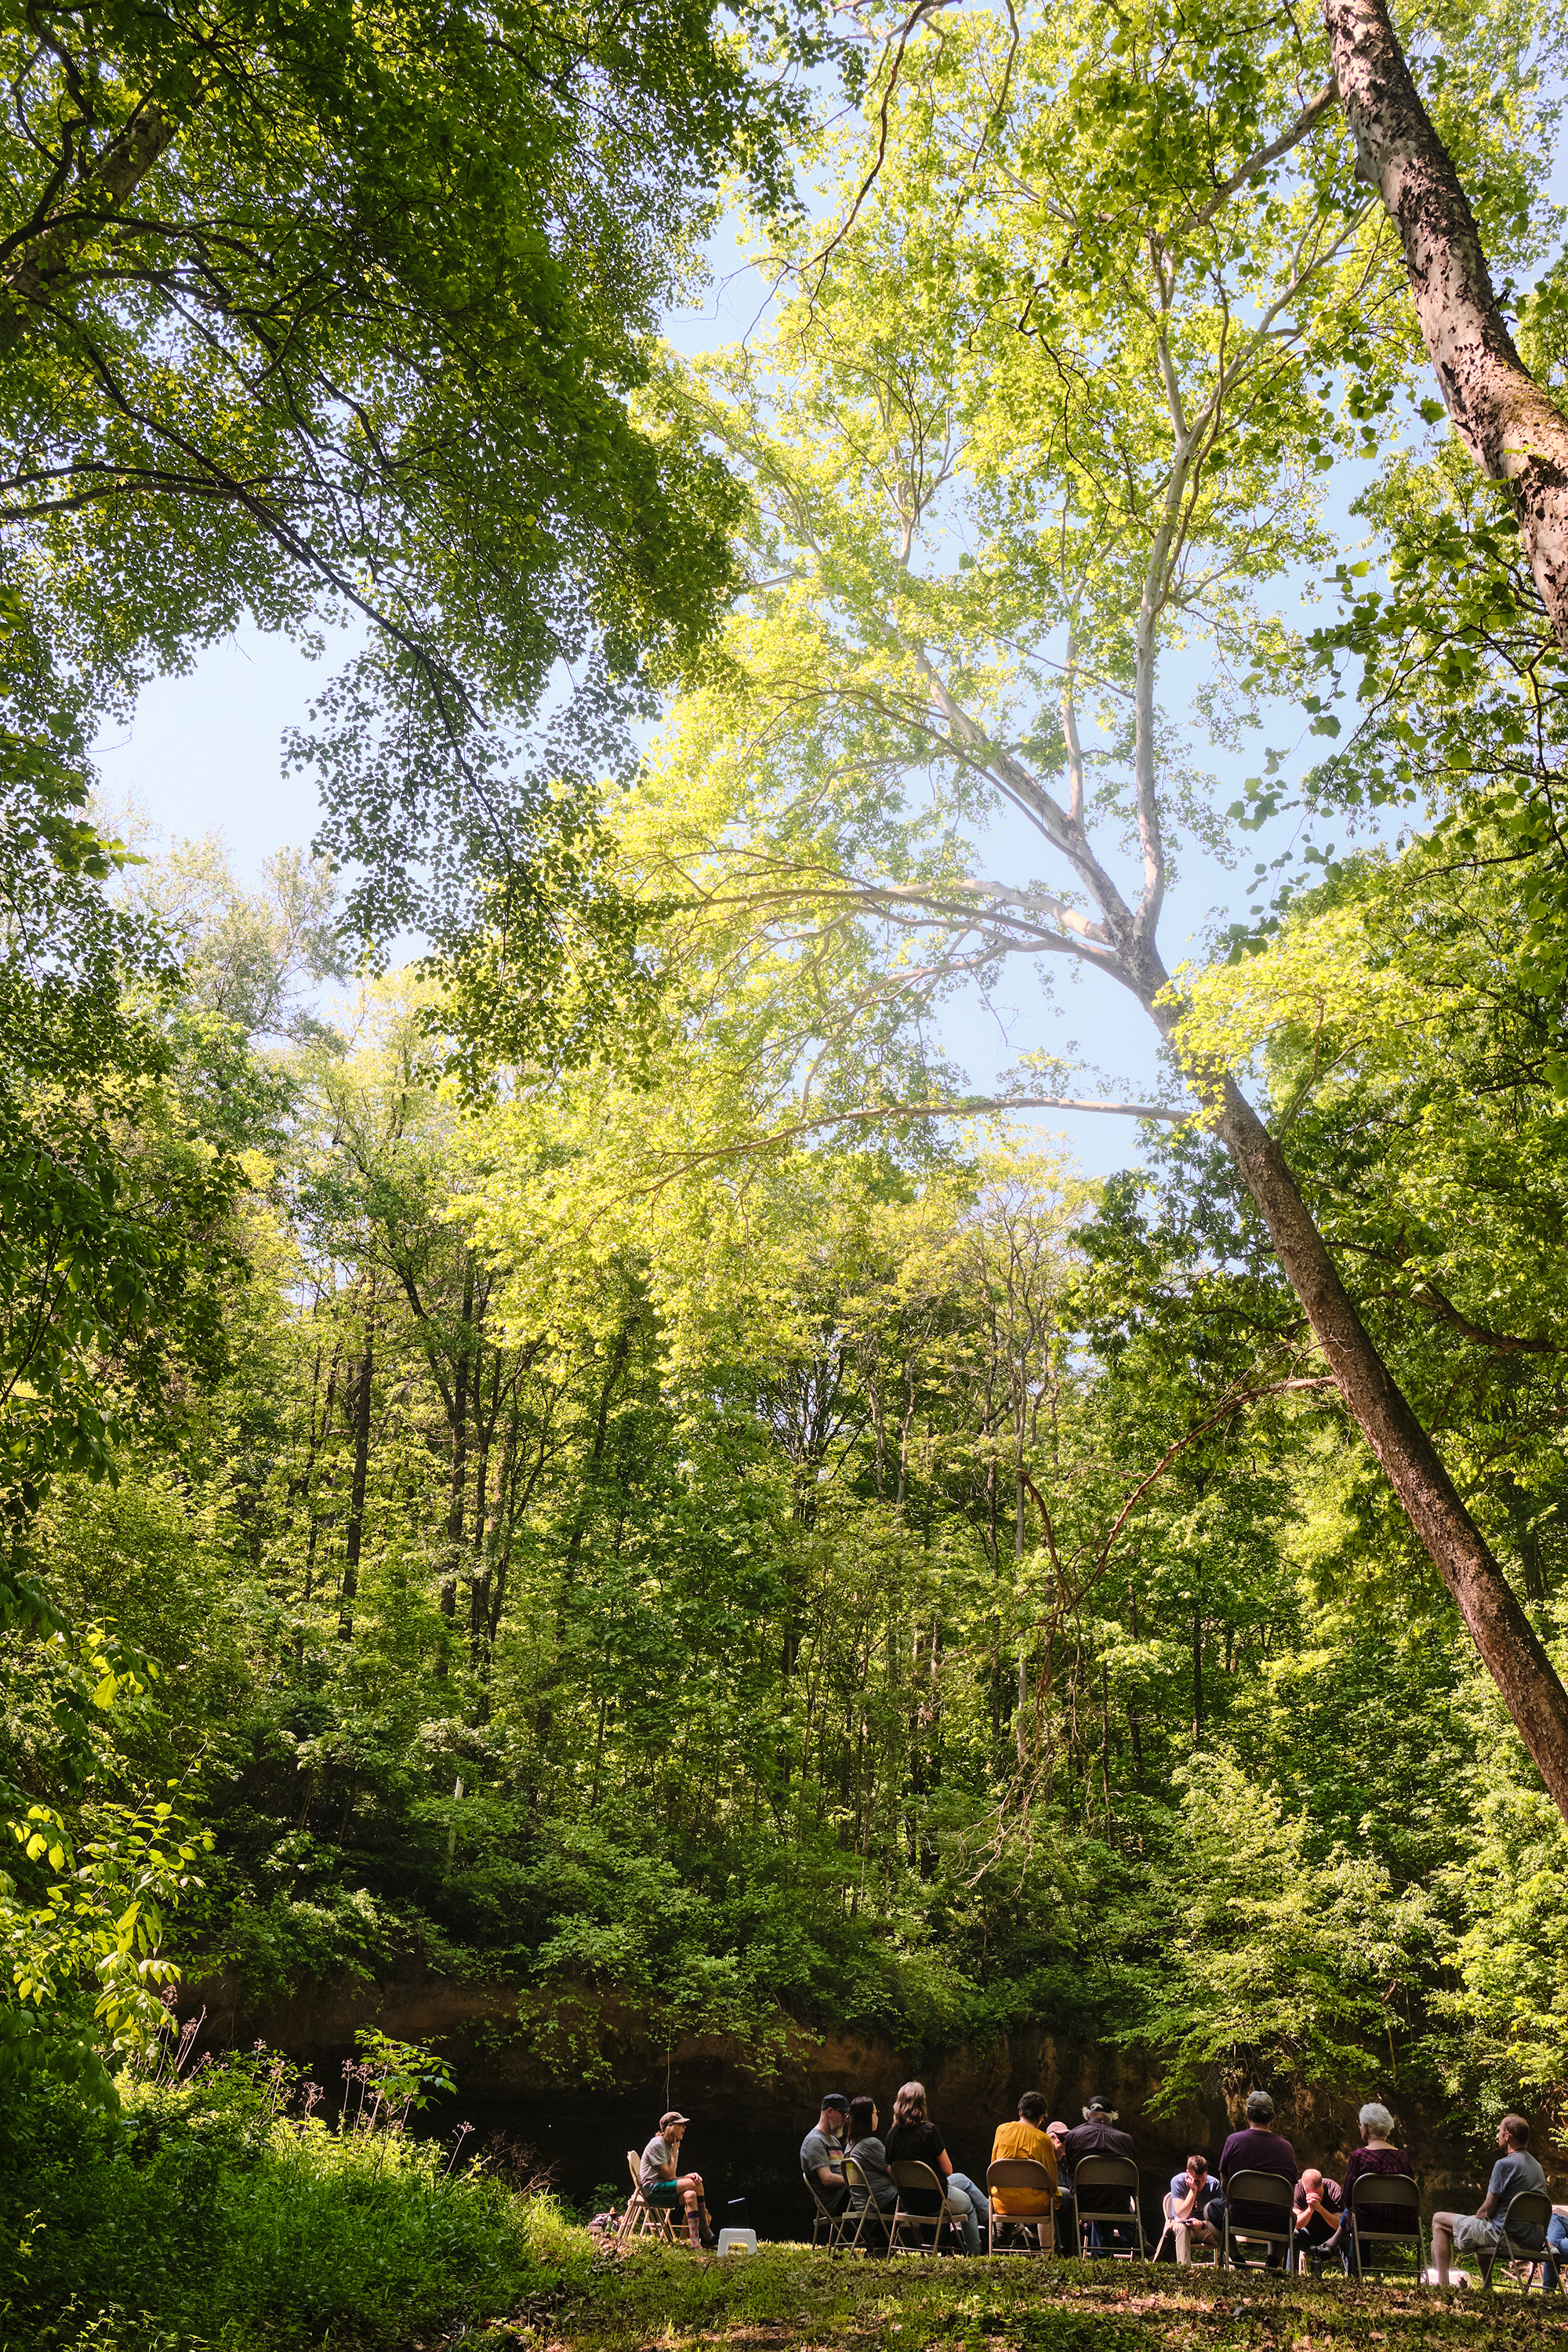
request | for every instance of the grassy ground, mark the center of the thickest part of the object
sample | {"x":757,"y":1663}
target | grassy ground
{"x":203,"y":2221}
{"x":789,"y":2299}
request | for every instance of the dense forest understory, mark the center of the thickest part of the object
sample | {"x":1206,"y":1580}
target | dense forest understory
{"x":929,"y":1599}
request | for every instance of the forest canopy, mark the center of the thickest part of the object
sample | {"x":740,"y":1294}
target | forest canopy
{"x":602,"y":1459}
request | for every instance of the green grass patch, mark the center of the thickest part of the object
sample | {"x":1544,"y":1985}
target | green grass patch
{"x":790,"y":2299}
{"x":206,"y":2219}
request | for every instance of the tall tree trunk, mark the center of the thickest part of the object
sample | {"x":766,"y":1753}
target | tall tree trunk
{"x":1501,"y":1632}
{"x":313,"y":1518}
{"x":464,"y":1371}
{"x":1197,"y":1671}
{"x":1512,"y":427}
{"x":354,"y":1534}
{"x":478,"y":1571}
{"x":506,"y":1512}
{"x":544,"y":1714}
{"x":1513,"y":1655}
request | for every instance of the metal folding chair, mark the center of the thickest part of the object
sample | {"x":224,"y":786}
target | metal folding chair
{"x":1259,"y":2188}
{"x":1388,"y":2189}
{"x":1101,"y":2187}
{"x":824,"y":2217}
{"x":870,"y":2212}
{"x":1169,"y":2230}
{"x":1531,"y":2208}
{"x":920,"y":2180}
{"x":1021,"y":2173}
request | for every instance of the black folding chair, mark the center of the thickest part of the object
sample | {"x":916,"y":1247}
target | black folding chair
{"x":922,"y":2180}
{"x":1267,"y":2188}
{"x":1531,"y":2209}
{"x":1023,"y":2174}
{"x":824,"y":2217}
{"x":1387,"y":2191}
{"x":1105,"y":2193}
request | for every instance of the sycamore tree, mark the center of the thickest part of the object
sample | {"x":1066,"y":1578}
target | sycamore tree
{"x":1056,"y":405}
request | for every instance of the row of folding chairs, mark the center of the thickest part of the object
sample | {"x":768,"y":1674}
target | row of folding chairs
{"x":905,"y":2229}
{"x":1388,"y":2194}
{"x":1106,"y":2200}
{"x":1399,"y":2228}
{"x":1104,"y":2187}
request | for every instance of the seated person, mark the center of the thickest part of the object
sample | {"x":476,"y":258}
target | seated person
{"x":663,"y":2182}
{"x":1315,"y":2216}
{"x":1057,"y":2132}
{"x":1098,"y":2136}
{"x":822,"y":2152}
{"x":1191,"y":2193}
{"x":1479,"y":2232}
{"x":1098,"y":2133}
{"x":1377,"y":2156}
{"x":915,"y":2139}
{"x":1028,"y":2139}
{"x":1556,"y":2248}
{"x":880,"y":2192}
{"x":1258,"y":2148}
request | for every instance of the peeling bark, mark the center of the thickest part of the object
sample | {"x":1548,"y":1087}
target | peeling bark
{"x":1511,"y":425}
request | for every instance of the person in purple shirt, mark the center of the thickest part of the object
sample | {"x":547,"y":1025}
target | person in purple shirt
{"x":1377,"y":2154}
{"x":1258,"y":2148}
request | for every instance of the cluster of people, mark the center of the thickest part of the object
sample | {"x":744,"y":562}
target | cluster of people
{"x":852,"y":2128}
{"x":1198,"y":2202}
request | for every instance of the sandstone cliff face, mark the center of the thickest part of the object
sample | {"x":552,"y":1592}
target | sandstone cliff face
{"x":583,"y":2080}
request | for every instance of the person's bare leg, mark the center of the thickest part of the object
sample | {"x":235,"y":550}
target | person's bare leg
{"x":690,"y":2186}
{"x":1442,"y":2245}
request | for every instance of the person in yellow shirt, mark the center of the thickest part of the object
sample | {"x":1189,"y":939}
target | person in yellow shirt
{"x":1026,"y":2138}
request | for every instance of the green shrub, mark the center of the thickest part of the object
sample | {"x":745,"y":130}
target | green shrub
{"x":207,"y":2213}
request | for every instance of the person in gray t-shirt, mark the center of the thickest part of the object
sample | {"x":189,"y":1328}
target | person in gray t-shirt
{"x":822,"y":2152}
{"x":1480,"y":2233}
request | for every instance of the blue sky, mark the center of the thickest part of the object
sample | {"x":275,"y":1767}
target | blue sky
{"x":202,"y":755}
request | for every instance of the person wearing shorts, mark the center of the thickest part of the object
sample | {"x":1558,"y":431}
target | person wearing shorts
{"x":663,"y":2182}
{"x":1480,"y":2233}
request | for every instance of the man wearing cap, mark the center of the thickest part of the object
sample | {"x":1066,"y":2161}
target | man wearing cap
{"x":822,"y":2152}
{"x":663,"y":2184}
{"x":1098,"y":2136}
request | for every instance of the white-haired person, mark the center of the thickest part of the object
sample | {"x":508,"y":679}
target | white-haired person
{"x":1378,"y":2156}
{"x":1099,"y":2135}
{"x":1480,"y":2233}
